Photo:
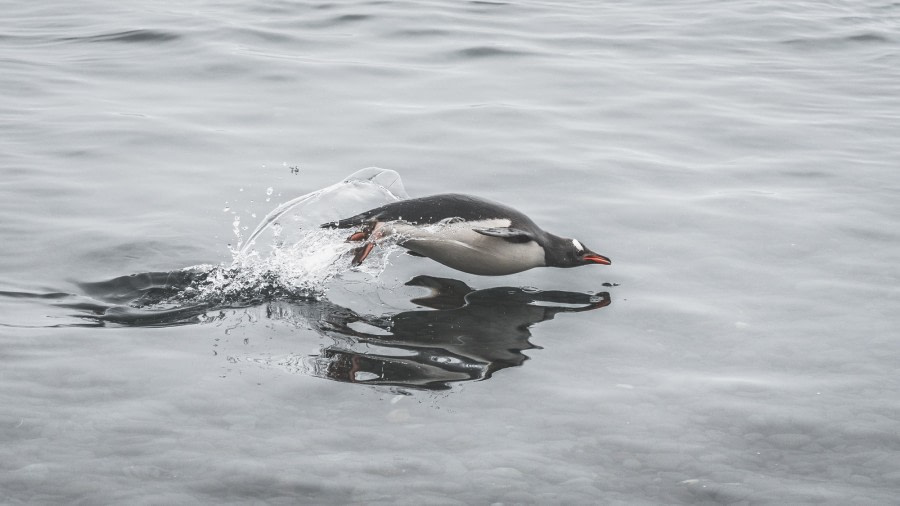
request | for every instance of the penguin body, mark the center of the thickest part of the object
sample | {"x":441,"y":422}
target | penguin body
{"x":466,"y":233}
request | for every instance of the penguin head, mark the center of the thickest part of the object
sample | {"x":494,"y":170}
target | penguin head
{"x":571,"y":253}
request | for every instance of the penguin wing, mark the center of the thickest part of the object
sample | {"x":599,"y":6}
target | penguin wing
{"x":507,"y":233}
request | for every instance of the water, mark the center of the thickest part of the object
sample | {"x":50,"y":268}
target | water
{"x":737,"y":161}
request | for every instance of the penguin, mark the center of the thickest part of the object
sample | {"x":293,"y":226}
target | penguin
{"x":466,"y":233}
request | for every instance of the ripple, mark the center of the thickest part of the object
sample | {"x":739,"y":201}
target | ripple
{"x":488,"y":52}
{"x":342,"y":20}
{"x":350,"y":18}
{"x":128,"y":36}
{"x":30,"y":295}
{"x":847,"y":40}
{"x":421,"y":32}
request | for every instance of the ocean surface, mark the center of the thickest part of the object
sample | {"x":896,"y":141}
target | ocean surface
{"x":739,"y":162}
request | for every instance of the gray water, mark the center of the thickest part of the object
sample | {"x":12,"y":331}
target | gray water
{"x":736,"y":160}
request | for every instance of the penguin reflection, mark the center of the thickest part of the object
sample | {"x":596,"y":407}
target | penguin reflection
{"x":469,"y":335}
{"x":466,"y":334}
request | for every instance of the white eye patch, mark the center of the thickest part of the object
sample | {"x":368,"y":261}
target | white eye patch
{"x":578,"y":246}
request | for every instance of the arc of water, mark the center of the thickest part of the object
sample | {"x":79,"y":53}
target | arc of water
{"x":387,"y":179}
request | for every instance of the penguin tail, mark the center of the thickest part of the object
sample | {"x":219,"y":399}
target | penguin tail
{"x":339,"y":224}
{"x":353,"y":221}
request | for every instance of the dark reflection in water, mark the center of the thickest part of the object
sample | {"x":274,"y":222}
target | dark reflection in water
{"x":461,"y":334}
{"x":468,"y":335}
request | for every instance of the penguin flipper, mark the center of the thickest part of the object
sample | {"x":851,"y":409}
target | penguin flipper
{"x":507,"y":233}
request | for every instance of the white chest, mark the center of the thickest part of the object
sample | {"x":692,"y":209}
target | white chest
{"x":458,"y":246}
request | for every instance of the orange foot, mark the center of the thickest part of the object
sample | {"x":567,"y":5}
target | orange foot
{"x":369,"y":234}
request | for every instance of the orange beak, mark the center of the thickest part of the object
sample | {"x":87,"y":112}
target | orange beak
{"x":597,"y":259}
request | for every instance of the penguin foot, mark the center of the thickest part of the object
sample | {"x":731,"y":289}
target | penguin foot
{"x":358,"y":236}
{"x":370,"y":234}
{"x":362,"y":252}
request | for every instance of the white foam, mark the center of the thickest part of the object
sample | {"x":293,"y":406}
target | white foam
{"x":289,"y":254}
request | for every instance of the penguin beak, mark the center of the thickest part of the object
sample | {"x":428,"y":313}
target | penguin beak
{"x":590,"y":256}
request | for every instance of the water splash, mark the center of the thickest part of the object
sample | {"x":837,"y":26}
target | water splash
{"x":289,"y":255}
{"x":354,"y":194}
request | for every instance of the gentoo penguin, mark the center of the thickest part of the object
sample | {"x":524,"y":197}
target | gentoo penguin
{"x":466,"y":233}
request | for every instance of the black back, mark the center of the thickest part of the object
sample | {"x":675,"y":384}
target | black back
{"x":434,"y":208}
